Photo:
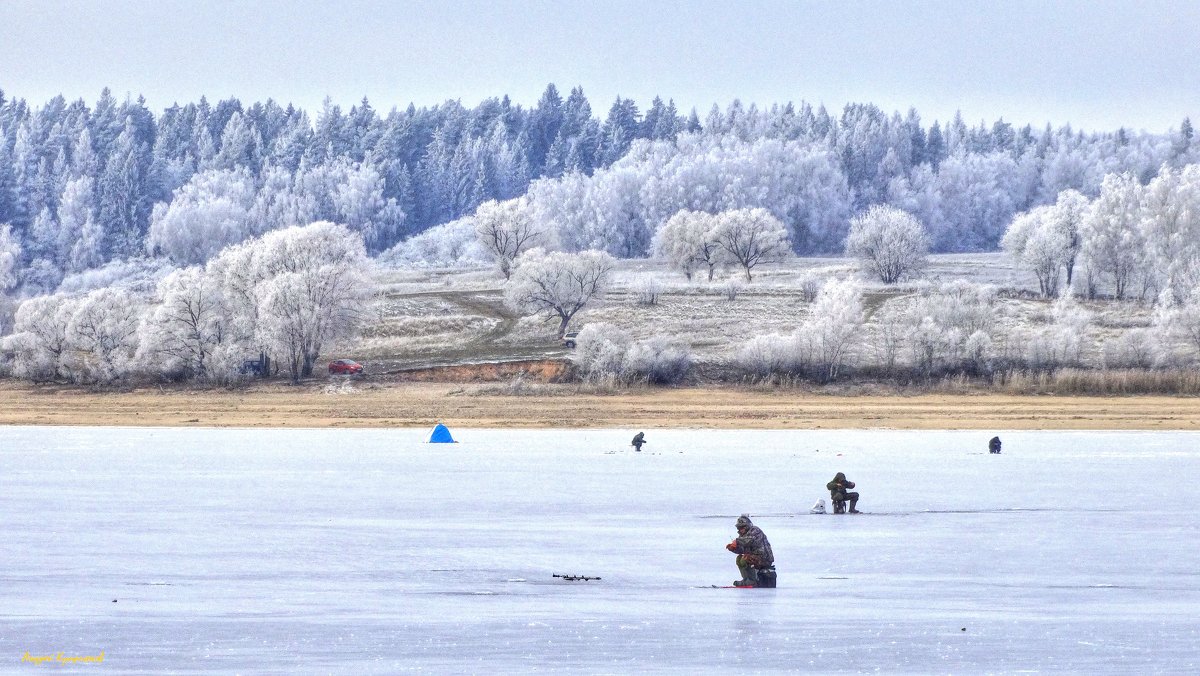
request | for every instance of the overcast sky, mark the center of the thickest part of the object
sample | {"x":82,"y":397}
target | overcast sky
{"x":1096,"y":65}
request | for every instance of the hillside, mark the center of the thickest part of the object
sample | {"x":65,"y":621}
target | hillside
{"x":456,"y":316}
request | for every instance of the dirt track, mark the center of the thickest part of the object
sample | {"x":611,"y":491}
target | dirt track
{"x":422,"y":404}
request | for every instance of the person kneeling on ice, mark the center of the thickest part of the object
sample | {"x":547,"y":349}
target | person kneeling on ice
{"x":638,"y":440}
{"x":755,"y":559}
{"x":839,"y":494}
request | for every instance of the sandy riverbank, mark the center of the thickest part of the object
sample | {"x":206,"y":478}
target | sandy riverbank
{"x":422,"y":404}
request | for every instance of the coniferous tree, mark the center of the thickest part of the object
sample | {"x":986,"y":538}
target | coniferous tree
{"x":651,"y":121}
{"x":105,"y":126}
{"x":544,"y":123}
{"x":124,"y":210}
{"x":363,"y":130}
{"x":618,"y":132}
{"x":935,"y":146}
{"x":240,"y":146}
{"x":916,"y":138}
{"x":27,"y":197}
{"x":574,"y":147}
{"x":1184,"y":141}
{"x":43,"y":236}
{"x":8,"y":182}
{"x":292,"y":142}
{"x":219,"y":118}
{"x":74,"y":212}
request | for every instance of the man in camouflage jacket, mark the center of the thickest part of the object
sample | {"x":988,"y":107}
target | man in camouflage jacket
{"x":753,"y":550}
{"x":840,"y":493}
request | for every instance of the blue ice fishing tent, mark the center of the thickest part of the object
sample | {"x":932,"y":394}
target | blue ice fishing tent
{"x":441,"y":435}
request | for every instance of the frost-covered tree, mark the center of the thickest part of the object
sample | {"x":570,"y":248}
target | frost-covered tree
{"x":944,"y":324}
{"x":971,"y":199}
{"x":688,"y":241}
{"x":78,"y":243}
{"x":103,"y":336}
{"x":563,"y":207}
{"x":1176,"y":320}
{"x":1135,"y":348}
{"x":10,"y":259}
{"x":1034,"y":241}
{"x":506,"y":229}
{"x":314,"y":283}
{"x":798,"y":183}
{"x":889,"y":326}
{"x":558,"y":284}
{"x":659,"y":360}
{"x":210,"y":212}
{"x":1060,"y":343}
{"x":890,"y":243}
{"x":86,"y":251}
{"x":1112,"y":242}
{"x":43,"y":236}
{"x":605,"y":353}
{"x":1187,"y":319}
{"x":599,"y":352}
{"x":751,"y":237}
{"x":188,"y":328}
{"x":809,"y":284}
{"x":619,"y":226}
{"x":360,"y":204}
{"x":1170,"y":228}
{"x":123,"y":203}
{"x":283,"y":296}
{"x":647,"y":290}
{"x":1067,"y":217}
{"x":447,"y":244}
{"x":772,"y":355}
{"x":41,"y":337}
{"x":834,"y":323}
{"x":239,"y":277}
{"x":240,"y":145}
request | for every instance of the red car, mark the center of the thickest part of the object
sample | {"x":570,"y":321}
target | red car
{"x":346,"y":366}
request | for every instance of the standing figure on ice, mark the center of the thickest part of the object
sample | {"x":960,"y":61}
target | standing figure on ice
{"x":638,"y":440}
{"x":839,"y":494}
{"x":755,"y":559}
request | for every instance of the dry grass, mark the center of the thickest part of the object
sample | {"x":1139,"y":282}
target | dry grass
{"x":423,"y":404}
{"x":1102,"y":383}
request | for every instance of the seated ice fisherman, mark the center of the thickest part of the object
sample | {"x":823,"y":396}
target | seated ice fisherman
{"x":755,"y":559}
{"x":994,"y":445}
{"x":840,"y":494}
{"x":638,"y":440}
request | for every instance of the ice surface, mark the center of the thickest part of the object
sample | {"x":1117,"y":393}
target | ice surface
{"x":369,"y":551}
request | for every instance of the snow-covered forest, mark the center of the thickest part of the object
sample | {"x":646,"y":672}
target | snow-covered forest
{"x":186,"y":240}
{"x":83,"y":185}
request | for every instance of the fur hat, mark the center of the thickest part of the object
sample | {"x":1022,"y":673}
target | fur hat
{"x":743,"y":521}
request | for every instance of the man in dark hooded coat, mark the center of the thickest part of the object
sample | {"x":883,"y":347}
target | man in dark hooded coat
{"x":755,"y":559}
{"x":839,"y":493}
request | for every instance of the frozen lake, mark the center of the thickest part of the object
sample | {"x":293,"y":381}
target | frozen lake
{"x":369,"y":551}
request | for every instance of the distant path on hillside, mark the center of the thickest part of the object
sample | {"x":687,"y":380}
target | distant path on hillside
{"x":492,"y":345}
